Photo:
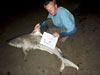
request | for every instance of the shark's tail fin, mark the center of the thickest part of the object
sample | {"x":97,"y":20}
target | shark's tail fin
{"x":66,"y":62}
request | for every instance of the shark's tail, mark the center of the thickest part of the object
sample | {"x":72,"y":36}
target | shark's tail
{"x":66,"y":62}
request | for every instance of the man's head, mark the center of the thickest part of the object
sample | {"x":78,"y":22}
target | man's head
{"x":51,"y":7}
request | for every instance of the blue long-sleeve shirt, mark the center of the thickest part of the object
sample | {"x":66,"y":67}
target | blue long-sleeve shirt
{"x":64,"y":19}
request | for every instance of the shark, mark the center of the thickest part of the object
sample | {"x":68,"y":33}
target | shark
{"x":31,"y":41}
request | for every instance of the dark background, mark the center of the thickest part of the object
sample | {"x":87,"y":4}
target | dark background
{"x":11,"y":8}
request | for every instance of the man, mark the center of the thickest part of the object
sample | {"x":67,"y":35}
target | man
{"x":61,"y":20}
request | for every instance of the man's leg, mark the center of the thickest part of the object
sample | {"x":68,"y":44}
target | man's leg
{"x":53,"y":28}
{"x":68,"y":34}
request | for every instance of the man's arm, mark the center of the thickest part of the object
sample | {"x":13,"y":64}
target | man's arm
{"x":68,"y":23}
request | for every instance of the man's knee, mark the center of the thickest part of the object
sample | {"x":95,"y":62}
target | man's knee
{"x":49,"y":22}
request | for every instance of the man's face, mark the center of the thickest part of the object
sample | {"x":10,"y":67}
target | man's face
{"x":51,"y":8}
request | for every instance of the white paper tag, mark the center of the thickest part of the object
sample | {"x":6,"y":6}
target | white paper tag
{"x":49,"y":40}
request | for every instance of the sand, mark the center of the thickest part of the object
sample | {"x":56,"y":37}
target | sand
{"x":82,"y":48}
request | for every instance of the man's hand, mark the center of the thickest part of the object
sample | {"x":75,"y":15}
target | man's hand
{"x":56,"y":34}
{"x":37,"y":26}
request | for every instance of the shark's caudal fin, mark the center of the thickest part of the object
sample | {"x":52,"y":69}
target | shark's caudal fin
{"x":66,"y":62}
